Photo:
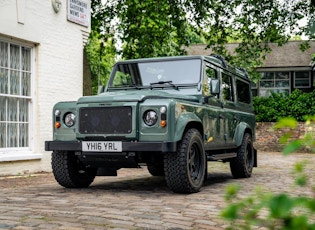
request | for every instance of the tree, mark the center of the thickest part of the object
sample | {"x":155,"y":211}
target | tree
{"x":254,"y":23}
{"x":101,"y":55}
{"x":145,"y":28}
{"x":162,"y":28}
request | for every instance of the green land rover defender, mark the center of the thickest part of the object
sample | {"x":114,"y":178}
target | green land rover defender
{"x":171,"y":114}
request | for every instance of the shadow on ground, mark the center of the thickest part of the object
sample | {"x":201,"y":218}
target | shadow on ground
{"x":152,"y":184}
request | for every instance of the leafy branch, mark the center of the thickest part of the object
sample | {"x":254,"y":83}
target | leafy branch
{"x":277,"y":211}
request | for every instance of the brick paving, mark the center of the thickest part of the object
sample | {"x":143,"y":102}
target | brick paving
{"x":136,"y":200}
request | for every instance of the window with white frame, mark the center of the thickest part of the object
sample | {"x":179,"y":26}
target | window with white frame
{"x":277,"y":82}
{"x":15,"y":95}
{"x":302,"y":79}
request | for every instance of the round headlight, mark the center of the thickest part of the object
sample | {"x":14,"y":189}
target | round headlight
{"x":69,"y":119}
{"x":150,"y":117}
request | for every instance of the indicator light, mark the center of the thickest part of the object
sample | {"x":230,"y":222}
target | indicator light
{"x":57,"y":125}
{"x":163,"y":123}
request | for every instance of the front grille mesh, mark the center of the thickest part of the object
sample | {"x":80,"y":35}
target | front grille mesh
{"x":105,"y":120}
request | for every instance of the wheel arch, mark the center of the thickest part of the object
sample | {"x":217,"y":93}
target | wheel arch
{"x":240,"y":130}
{"x":186,"y":122}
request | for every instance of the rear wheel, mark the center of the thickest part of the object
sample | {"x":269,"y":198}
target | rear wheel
{"x":185,"y":169}
{"x":69,"y":172}
{"x":242,"y":165}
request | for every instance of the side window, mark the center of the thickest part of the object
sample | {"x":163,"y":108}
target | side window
{"x":210,"y":74}
{"x":227,"y":88}
{"x":125,"y":75}
{"x":243,"y":91}
{"x":121,"y":79}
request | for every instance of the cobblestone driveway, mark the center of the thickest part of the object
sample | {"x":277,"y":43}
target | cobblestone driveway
{"x":136,"y":200}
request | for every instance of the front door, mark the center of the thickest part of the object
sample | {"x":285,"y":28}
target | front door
{"x":213,"y":120}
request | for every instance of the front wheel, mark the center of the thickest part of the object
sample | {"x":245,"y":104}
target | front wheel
{"x":156,"y":169}
{"x":242,"y":165}
{"x":185,"y":170}
{"x":69,"y":172}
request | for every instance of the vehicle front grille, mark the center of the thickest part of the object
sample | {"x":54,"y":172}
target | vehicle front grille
{"x":105,"y":120}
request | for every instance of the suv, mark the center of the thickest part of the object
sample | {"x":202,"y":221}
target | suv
{"x":171,"y":114}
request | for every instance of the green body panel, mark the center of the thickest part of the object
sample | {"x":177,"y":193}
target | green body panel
{"x":181,"y":123}
{"x":64,"y":133}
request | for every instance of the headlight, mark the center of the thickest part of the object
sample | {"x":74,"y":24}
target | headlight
{"x":150,"y":117}
{"x":69,"y":119}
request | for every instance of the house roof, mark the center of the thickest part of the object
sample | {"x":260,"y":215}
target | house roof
{"x":288,"y":55}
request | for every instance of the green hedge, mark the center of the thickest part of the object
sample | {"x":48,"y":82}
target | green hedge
{"x":296,"y":105}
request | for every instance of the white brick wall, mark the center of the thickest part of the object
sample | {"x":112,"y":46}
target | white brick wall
{"x":58,"y":73}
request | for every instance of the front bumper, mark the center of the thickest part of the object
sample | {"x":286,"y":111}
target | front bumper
{"x":76,"y":146}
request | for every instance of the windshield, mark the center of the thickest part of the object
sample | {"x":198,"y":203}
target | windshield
{"x":170,"y":73}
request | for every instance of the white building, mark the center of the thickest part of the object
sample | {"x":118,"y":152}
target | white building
{"x":41,"y":57}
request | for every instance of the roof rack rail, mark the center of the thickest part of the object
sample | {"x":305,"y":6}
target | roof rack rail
{"x":226,"y":65}
{"x":224,"y":62}
{"x":244,"y":71}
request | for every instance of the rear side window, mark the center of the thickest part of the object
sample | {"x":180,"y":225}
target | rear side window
{"x":243,"y":91}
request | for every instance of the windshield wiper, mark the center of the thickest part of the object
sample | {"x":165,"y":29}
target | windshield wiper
{"x":164,"y":82}
{"x":135,"y":86}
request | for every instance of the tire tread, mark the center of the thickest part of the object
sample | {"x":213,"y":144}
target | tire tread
{"x":65,"y":171}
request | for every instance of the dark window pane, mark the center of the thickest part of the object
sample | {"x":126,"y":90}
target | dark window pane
{"x":226,"y":88}
{"x":243,"y":91}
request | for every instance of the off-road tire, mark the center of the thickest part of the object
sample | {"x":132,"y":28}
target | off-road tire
{"x":242,"y":165}
{"x":69,"y":172}
{"x":185,"y":170}
{"x":156,"y":169}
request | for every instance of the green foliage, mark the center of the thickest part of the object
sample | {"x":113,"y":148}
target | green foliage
{"x":101,"y":57}
{"x":155,"y":29}
{"x":163,"y":28}
{"x":276,"y":211}
{"x":145,"y":28}
{"x":296,"y":105}
{"x":293,"y":145}
{"x":255,"y":24}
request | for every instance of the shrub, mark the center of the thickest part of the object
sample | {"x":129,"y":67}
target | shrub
{"x":296,"y":105}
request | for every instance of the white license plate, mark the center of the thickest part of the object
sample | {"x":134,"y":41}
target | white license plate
{"x":101,"y":146}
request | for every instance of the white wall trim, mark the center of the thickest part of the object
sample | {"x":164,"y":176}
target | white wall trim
{"x":20,"y":156}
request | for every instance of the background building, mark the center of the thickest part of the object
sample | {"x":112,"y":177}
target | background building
{"x":41,"y":63}
{"x":286,"y":68}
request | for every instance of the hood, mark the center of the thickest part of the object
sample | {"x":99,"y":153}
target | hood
{"x":134,"y":96}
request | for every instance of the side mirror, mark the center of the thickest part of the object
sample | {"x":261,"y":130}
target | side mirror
{"x":215,"y":86}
